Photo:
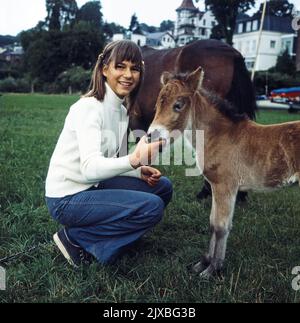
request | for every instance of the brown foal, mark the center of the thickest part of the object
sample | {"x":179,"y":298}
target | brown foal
{"x":239,"y":153}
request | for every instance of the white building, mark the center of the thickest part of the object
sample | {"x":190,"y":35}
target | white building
{"x":139,"y":39}
{"x":161,"y":40}
{"x":277,"y":35}
{"x":192,"y":24}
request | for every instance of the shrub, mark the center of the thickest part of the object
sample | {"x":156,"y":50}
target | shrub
{"x":274,"y":80}
{"x":11,"y":84}
{"x":77,"y":79}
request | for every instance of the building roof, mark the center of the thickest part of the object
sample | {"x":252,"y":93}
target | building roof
{"x":187,"y":5}
{"x":271,"y":23}
{"x":158,"y":36}
{"x":281,"y":24}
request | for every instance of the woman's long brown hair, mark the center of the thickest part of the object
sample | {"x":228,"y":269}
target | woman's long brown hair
{"x":117,"y":52}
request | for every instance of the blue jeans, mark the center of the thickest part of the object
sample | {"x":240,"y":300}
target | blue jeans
{"x":107,"y":219}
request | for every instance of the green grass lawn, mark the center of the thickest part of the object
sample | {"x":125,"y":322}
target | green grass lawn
{"x":263,"y":247}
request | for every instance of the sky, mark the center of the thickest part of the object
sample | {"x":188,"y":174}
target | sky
{"x":18,"y":15}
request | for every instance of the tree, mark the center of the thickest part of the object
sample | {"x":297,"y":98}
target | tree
{"x":7,"y":40}
{"x":226,"y":13}
{"x":134,"y":23}
{"x":66,"y":43}
{"x":109,"y":29}
{"x":217,"y":32}
{"x":166,"y":25}
{"x":148,"y":29}
{"x":285,"y":64}
{"x":52,"y":52}
{"x":60,"y":13}
{"x":279,"y":8}
{"x":91,"y":14}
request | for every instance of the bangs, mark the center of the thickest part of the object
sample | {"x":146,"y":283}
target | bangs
{"x":127,"y":51}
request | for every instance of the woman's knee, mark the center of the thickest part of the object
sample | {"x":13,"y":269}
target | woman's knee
{"x":166,"y":190}
{"x":155,"y":209}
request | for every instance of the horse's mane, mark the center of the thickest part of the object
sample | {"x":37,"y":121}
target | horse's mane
{"x":225,"y":107}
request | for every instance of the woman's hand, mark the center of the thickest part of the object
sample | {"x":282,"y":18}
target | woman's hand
{"x":150,"y":175}
{"x":144,"y":153}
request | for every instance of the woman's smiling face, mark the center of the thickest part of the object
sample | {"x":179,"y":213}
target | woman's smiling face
{"x":122,"y":77}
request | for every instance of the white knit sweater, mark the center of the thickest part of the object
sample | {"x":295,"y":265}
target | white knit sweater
{"x":86,"y":149}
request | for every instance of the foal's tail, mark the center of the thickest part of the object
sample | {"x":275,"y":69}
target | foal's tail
{"x":241,"y":94}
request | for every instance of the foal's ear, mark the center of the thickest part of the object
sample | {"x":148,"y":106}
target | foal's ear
{"x":165,"y":78}
{"x":195,"y":79}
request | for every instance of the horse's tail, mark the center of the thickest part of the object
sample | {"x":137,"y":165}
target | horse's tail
{"x":241,"y":94}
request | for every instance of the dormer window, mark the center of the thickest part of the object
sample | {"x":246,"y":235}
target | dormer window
{"x":255,"y":25}
{"x":248,"y":26}
{"x":240,"y":28}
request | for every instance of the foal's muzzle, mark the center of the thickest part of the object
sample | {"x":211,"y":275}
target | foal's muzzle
{"x":153,"y":136}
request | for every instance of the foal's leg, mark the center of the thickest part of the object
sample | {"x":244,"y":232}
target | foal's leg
{"x":206,"y":258}
{"x":221,"y":223}
{"x":206,"y":192}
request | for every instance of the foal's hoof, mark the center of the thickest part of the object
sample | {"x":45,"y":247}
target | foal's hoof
{"x":201,"y":265}
{"x":208,"y":273}
{"x":211,"y":272}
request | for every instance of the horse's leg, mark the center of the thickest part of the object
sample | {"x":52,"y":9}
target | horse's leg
{"x":205,"y":191}
{"x":221,"y":222}
{"x":242,"y":196}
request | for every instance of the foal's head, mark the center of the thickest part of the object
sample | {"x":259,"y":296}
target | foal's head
{"x":173,"y":106}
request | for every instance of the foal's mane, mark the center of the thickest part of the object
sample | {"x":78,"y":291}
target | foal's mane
{"x":227,"y":109}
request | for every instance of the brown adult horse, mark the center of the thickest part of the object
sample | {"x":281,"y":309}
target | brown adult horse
{"x":239,"y":153}
{"x":226,"y":75}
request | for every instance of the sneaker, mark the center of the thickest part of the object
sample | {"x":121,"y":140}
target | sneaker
{"x":75,"y":255}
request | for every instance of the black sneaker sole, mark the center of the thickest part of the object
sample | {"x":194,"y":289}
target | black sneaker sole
{"x":63,"y":250}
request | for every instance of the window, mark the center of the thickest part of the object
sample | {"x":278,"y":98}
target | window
{"x":248,"y":26}
{"x":204,"y":22}
{"x":240,"y":28}
{"x":254,"y":25}
{"x":273,"y":43}
{"x":287,"y":45}
{"x":213,"y":23}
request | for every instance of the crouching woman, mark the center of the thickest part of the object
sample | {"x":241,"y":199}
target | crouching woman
{"x":104,"y":201}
